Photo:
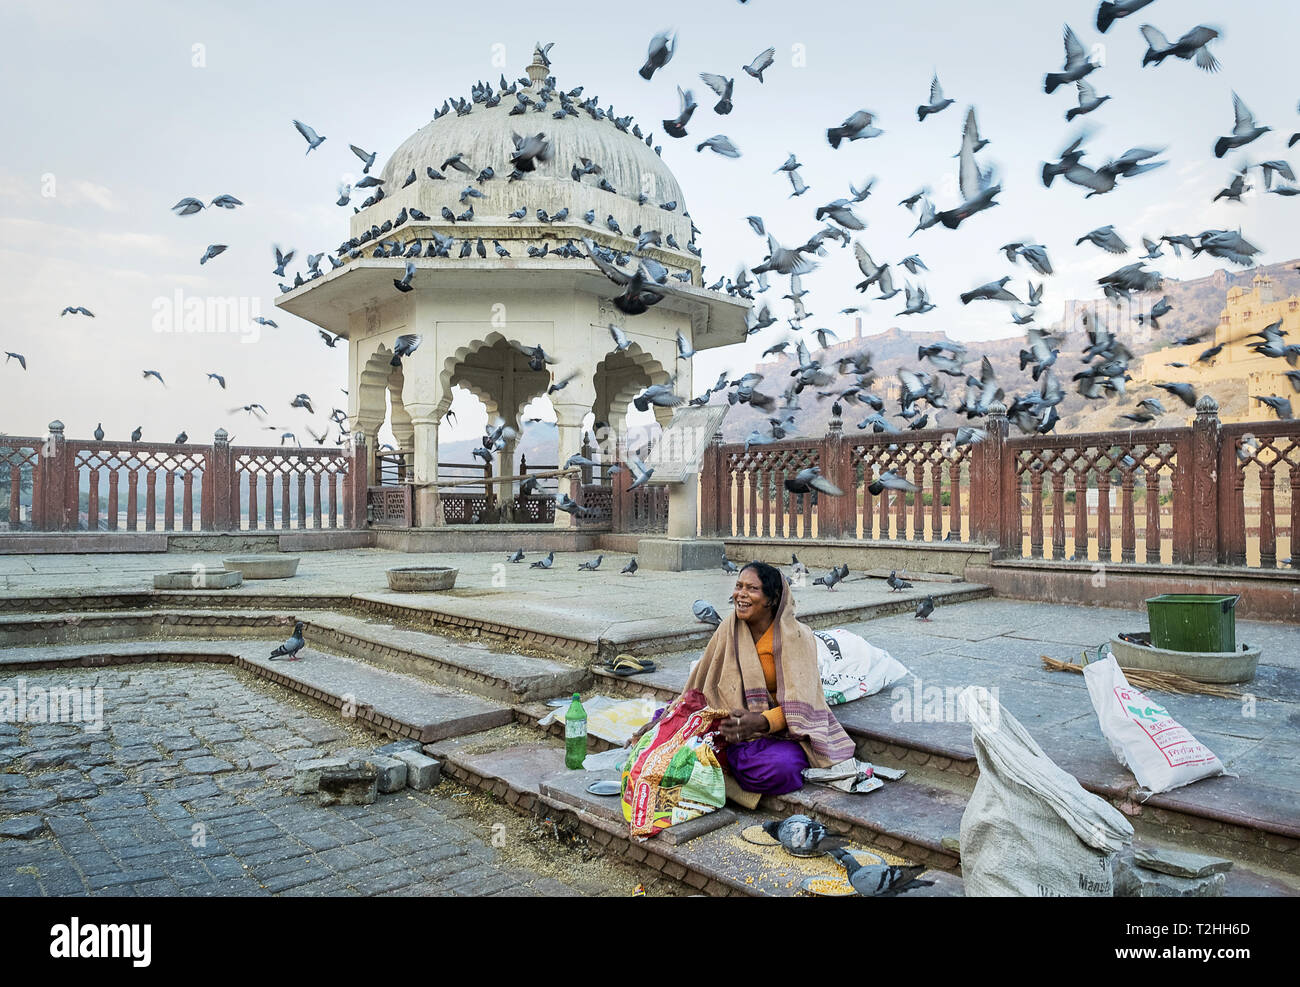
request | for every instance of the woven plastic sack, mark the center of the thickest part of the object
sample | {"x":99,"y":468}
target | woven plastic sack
{"x":1029,"y":829}
{"x":673,"y":773}
{"x":851,"y":667}
{"x":1160,"y":751}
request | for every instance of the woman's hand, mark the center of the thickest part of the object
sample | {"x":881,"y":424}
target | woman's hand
{"x":742,"y":726}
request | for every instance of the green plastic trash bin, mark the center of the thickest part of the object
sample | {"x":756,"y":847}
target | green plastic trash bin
{"x":1199,"y":622}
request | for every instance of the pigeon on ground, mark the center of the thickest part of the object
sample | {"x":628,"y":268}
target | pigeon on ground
{"x":798,"y":834}
{"x":729,"y":566}
{"x":836,"y":575}
{"x":544,"y":563}
{"x":705,"y":613}
{"x":291,"y":647}
{"x":516,"y":556}
{"x":592,"y":564}
{"x":878,"y":879}
{"x":896,"y":584}
{"x":629,"y":568}
{"x":925,"y":608}
{"x":796,"y":565}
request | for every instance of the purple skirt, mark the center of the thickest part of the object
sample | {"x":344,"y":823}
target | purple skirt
{"x":769,"y":765}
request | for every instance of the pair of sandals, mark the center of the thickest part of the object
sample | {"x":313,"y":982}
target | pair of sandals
{"x":625,"y":665}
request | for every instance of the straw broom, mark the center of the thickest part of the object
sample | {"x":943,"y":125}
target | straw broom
{"x":1146,"y":679}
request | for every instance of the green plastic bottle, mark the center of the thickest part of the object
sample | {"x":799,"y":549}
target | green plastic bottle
{"x":575,"y":735}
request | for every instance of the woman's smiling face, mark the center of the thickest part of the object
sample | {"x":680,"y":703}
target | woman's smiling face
{"x":748,"y":597}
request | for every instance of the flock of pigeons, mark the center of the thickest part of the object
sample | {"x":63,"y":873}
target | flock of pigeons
{"x":644,"y":282}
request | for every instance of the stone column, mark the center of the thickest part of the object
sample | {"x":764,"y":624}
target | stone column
{"x":568,"y":429}
{"x":428,"y":506}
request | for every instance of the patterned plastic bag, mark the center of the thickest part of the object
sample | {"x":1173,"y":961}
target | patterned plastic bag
{"x":673,"y":773}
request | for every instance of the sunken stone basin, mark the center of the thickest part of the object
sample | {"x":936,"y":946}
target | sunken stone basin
{"x":198,"y":578}
{"x":422,"y":579}
{"x":263,"y":566}
{"x":1216,"y":667}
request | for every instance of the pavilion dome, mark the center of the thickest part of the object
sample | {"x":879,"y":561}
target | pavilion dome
{"x":484,"y":138}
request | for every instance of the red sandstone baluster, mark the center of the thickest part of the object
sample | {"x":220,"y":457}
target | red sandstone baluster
{"x":92,"y":505}
{"x":187,"y":500}
{"x":169,"y":501}
{"x":1267,"y":518}
{"x":1153,"y":535}
{"x":1103,"y":516}
{"x":1036,"y":512}
{"x":1058,"y":514}
{"x":1080,"y":511}
{"x":132,"y":499}
{"x":151,"y":500}
{"x":1128,"y":526}
{"x":112,"y":498}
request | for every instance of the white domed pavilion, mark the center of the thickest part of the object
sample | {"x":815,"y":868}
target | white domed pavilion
{"x":470,"y":310}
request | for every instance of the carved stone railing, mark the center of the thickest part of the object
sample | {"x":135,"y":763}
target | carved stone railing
{"x":70,"y":485}
{"x":1205,"y":495}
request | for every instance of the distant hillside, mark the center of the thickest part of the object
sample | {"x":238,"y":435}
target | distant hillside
{"x":1196,"y":307}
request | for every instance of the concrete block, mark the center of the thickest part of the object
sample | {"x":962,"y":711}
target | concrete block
{"x":1179,"y":863}
{"x":392,"y":772}
{"x":679,"y":554}
{"x":198,"y":578}
{"x":307,"y":774}
{"x":357,"y":784}
{"x":422,"y":772}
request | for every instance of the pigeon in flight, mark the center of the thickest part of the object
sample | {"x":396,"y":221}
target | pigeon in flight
{"x":1088,"y":100}
{"x":660,"y":53}
{"x":77,"y":310}
{"x":219,"y":379}
{"x":188,"y":206}
{"x":289,"y":650}
{"x":857,"y":126}
{"x":310,"y":136}
{"x":937,"y":100}
{"x":1110,"y":12}
{"x":722,"y":86}
{"x":367,"y":158}
{"x":1194,"y":43}
{"x":1244,"y":129}
{"x":155,"y":373}
{"x":1106,"y":238}
{"x":810,"y":479}
{"x":1077,"y":64}
{"x":22,"y":360}
{"x":720,"y":144}
{"x":760,"y":64}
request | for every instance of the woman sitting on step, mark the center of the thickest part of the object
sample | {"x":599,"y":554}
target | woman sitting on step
{"x":761,"y":664}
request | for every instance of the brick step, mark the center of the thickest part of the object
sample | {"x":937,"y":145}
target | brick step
{"x":386,"y":701}
{"x":707,"y":853}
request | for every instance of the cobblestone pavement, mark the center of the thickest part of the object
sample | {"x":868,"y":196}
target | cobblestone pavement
{"x":185,"y":792}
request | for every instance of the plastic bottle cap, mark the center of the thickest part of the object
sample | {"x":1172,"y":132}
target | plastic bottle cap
{"x":575,"y":695}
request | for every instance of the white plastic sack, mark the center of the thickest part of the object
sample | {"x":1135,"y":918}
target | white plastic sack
{"x":1029,"y":829}
{"x":1160,"y":751}
{"x":852,"y":668}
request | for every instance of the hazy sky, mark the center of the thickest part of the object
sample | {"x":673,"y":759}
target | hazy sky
{"x":109,"y":121}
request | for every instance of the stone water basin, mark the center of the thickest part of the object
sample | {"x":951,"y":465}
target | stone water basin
{"x":1217,"y":667}
{"x":422,"y":579}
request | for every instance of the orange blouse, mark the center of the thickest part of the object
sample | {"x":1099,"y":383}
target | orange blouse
{"x":775,"y":716}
